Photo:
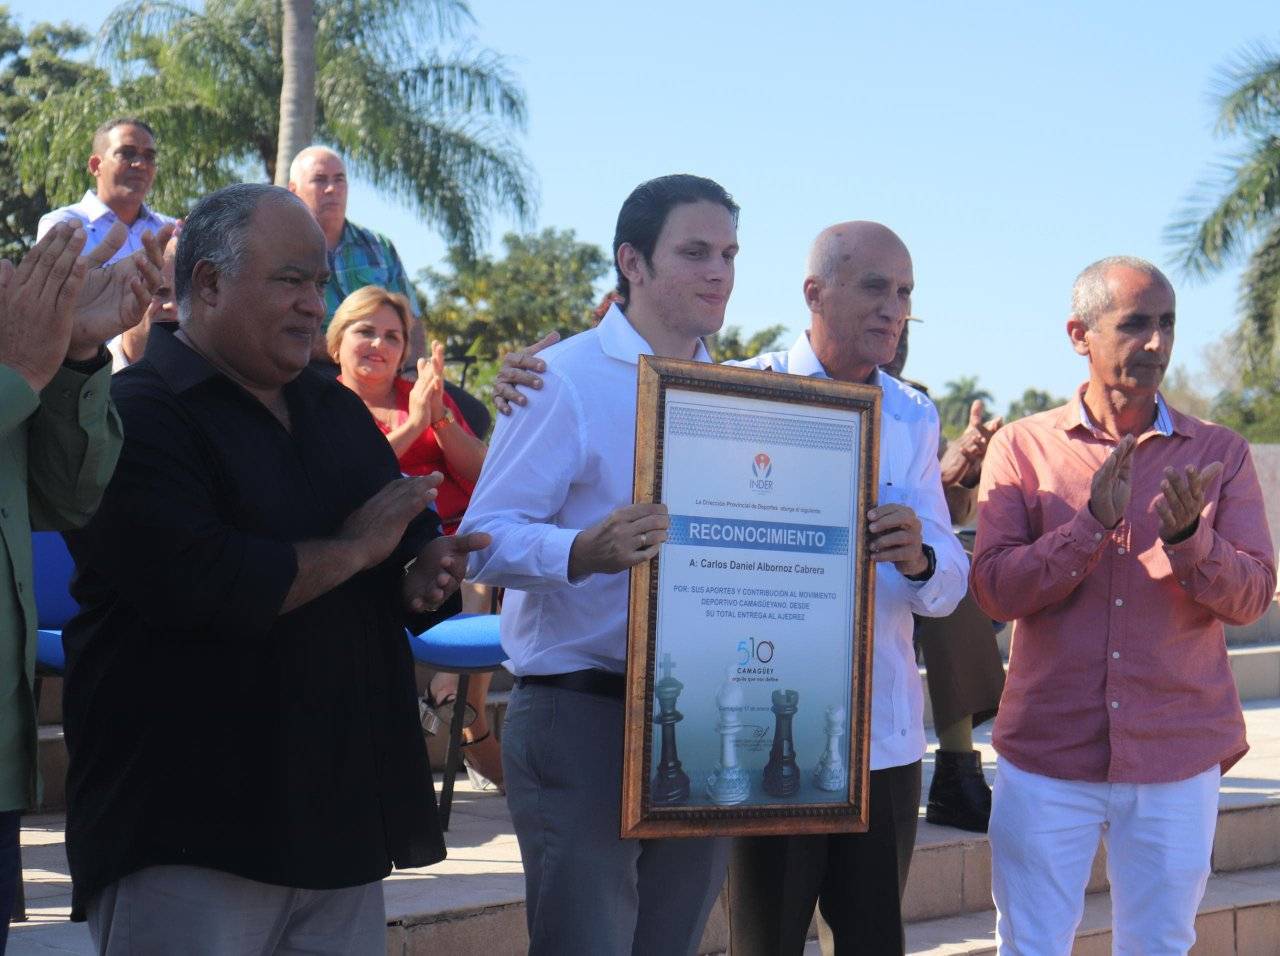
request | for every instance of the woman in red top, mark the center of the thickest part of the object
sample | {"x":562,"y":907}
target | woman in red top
{"x":368,"y":338}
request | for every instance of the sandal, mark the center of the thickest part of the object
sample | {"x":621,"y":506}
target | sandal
{"x":437,"y":714}
{"x":478,"y":779}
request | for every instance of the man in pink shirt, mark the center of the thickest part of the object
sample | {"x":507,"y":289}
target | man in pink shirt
{"x":1120,"y":535}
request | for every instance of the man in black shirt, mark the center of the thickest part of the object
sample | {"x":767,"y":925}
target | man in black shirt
{"x":246,"y":763}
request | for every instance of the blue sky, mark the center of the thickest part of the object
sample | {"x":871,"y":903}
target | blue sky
{"x":1008,"y":143}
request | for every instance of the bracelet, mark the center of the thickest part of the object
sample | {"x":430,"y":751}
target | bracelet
{"x":931,"y":565}
{"x":443,"y":421}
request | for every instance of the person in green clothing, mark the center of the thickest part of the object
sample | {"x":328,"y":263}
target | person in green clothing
{"x":59,"y":438}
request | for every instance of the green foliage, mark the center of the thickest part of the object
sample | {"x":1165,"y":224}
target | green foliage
{"x":483,"y":307}
{"x":33,"y":67}
{"x":1033,"y":400}
{"x":428,"y":127}
{"x":728,"y":345}
{"x":1239,"y":204}
{"x":953,"y":405}
{"x":1253,"y":411}
{"x":1180,"y":390}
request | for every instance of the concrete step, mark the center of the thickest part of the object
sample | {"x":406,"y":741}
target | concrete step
{"x":1239,"y":916}
{"x":1256,"y":668}
{"x":473,"y":903}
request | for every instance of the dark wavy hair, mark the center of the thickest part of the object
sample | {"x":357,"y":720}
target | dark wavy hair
{"x":645,"y":212}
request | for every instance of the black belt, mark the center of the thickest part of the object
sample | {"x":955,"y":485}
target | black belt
{"x":600,"y":683}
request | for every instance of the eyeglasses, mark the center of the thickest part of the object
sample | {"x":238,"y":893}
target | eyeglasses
{"x":130,"y":156}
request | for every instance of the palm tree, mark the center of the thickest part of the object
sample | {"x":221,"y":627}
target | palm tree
{"x":427,"y":119}
{"x":298,"y":89}
{"x":953,"y":406}
{"x":1240,"y":206}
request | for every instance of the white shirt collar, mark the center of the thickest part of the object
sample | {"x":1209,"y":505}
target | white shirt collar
{"x":802,"y":360}
{"x":1163,"y":423}
{"x":620,"y":340}
{"x":95,"y":209}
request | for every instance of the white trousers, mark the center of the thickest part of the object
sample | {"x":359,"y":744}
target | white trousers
{"x":1044,"y":835}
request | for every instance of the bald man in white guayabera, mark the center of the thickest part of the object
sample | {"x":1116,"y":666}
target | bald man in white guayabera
{"x":857,"y":288}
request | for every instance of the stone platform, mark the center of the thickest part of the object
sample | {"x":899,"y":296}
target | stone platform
{"x":473,"y":903}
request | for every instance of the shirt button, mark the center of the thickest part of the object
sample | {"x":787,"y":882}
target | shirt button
{"x":1183,"y":583}
{"x":1119,"y":550}
{"x":1119,"y":602}
{"x":1115,"y":655}
{"x":1115,"y":704}
{"x":88,"y":394}
{"x":1097,"y":536}
{"x":904,"y":733}
{"x":1075,"y":574}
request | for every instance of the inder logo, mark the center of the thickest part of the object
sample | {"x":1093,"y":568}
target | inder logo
{"x":761,"y":469}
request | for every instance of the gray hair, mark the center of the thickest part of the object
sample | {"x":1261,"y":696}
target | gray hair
{"x":299,"y":161}
{"x":825,"y":256}
{"x":1090,"y":295}
{"x":217,"y":231}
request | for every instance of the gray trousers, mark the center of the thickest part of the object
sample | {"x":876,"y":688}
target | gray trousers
{"x":196,"y":911}
{"x":587,"y":890}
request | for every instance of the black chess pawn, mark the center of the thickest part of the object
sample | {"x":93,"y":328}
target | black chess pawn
{"x":781,"y":773}
{"x":670,"y":782}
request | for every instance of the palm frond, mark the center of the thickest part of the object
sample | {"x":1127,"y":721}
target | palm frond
{"x":1260,"y":303}
{"x":1247,"y":90}
{"x":1210,"y":232}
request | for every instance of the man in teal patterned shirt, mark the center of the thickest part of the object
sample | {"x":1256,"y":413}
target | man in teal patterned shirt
{"x":357,"y":256}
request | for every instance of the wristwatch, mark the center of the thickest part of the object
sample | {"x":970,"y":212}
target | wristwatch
{"x":930,"y":567}
{"x":443,"y":421}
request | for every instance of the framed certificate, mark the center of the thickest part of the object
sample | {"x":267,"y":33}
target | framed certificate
{"x":750,"y":637}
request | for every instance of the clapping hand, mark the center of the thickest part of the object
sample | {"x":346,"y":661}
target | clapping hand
{"x":1113,"y":484}
{"x":36,"y":303}
{"x":1183,"y":500}
{"x":114,"y":298}
{"x":439,"y":570}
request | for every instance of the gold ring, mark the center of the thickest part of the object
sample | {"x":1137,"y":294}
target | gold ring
{"x":644,"y":540}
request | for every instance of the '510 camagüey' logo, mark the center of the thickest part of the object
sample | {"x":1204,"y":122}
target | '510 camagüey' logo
{"x":761,"y":468}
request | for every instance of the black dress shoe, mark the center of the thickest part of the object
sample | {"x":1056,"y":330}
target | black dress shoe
{"x":959,"y":796}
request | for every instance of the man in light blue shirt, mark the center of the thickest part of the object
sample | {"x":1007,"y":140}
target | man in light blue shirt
{"x":555,"y":495}
{"x":123,"y":163}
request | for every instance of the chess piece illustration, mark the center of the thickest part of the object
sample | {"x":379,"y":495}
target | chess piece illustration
{"x":830,"y":774}
{"x":781,"y":774}
{"x":670,"y":782}
{"x":728,"y":783}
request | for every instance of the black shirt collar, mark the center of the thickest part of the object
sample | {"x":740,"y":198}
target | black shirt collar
{"x":183,"y":368}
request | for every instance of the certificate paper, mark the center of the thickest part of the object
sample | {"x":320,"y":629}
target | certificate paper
{"x":756,"y":641}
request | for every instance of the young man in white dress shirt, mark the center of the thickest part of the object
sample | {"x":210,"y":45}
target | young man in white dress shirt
{"x":555,"y":495}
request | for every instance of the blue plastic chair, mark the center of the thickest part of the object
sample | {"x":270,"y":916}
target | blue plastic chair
{"x":54,"y":604}
{"x":54,"y":607}
{"x":464,"y":645}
